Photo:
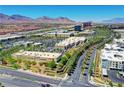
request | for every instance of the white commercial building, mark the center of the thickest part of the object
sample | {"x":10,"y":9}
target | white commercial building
{"x":112,"y":57}
{"x":37,"y":56}
{"x":70,"y":42}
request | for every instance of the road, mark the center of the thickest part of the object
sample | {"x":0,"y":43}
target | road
{"x":76,"y":75}
{"x":29,"y":78}
{"x":85,"y":77}
{"x":74,"y":79}
{"x":17,"y":82}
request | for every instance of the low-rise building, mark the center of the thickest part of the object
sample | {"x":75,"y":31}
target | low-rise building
{"x":70,"y":42}
{"x":112,"y":60}
{"x":112,"y":57}
{"x":37,"y":56}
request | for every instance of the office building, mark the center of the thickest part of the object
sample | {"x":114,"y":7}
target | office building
{"x":77,"y":28}
{"x":112,"y":57}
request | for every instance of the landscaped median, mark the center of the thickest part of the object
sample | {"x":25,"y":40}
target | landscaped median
{"x":95,"y":68}
{"x":103,"y":35}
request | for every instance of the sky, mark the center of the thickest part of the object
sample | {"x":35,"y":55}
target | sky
{"x":74,"y":12}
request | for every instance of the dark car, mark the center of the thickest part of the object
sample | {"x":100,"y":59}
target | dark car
{"x":87,"y":64}
{"x":85,"y":74}
{"x":45,"y":85}
{"x":69,"y":74}
{"x":86,"y":67}
{"x":48,"y":85}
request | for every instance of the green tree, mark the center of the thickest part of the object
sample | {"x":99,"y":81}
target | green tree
{"x":26,"y":66}
{"x":15,"y":66}
{"x":51,"y":64}
{"x":119,"y":85}
{"x":111,"y":84}
{"x":0,"y":84}
{"x":64,"y":60}
{"x":68,"y":55}
{"x":60,"y":65}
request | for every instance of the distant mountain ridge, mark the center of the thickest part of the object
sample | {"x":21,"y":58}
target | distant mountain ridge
{"x":55,"y":20}
{"x":114,"y":20}
{"x":20,"y":19}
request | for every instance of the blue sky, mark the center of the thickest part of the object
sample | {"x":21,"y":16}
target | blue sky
{"x":74,"y":12}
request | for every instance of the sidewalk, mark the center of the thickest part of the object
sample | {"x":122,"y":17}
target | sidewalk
{"x":97,"y":84}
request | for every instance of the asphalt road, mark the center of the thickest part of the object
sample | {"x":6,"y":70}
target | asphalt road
{"x":17,"y":82}
{"x":21,"y":75}
{"x":85,"y":77}
{"x":74,"y":79}
{"x":76,"y":75}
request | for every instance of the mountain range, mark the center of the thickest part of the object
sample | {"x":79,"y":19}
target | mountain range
{"x":24,"y":19}
{"x":114,"y":20}
{"x":16,"y":18}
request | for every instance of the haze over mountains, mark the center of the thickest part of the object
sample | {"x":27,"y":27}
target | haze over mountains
{"x":114,"y":20}
{"x":24,"y":19}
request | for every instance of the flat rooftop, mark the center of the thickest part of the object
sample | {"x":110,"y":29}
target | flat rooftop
{"x":113,"y":47}
{"x":112,"y":52}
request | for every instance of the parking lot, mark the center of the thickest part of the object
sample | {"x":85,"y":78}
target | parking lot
{"x":112,"y":74}
{"x":47,"y":44}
